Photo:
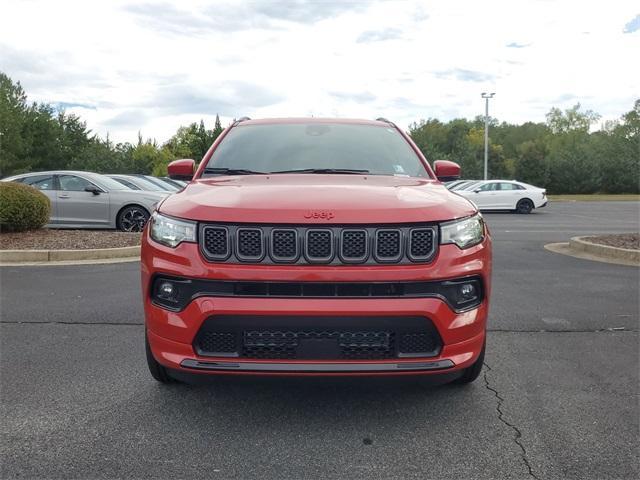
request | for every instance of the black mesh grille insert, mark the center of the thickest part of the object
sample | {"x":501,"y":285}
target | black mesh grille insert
{"x":319,"y":245}
{"x":284,"y":244}
{"x":250,"y":243}
{"x":421,"y":243}
{"x":354,"y":244}
{"x":418,"y":343}
{"x":216,"y":242}
{"x":217,"y":342}
{"x":388,"y":244}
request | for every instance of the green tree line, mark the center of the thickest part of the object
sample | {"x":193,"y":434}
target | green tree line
{"x":562,"y":154}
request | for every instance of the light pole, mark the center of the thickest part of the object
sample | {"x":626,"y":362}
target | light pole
{"x":486,"y":96}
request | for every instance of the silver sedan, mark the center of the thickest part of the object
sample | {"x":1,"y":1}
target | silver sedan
{"x":91,"y":200}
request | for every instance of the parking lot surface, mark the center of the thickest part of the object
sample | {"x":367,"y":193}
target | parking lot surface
{"x":558,"y":396}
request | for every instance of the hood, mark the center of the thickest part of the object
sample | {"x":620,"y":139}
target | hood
{"x":313,"y":198}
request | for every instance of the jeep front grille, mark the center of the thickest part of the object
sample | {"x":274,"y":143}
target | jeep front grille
{"x":319,"y":245}
{"x":313,"y":338}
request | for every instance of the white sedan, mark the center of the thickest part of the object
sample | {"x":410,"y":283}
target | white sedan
{"x":505,"y":195}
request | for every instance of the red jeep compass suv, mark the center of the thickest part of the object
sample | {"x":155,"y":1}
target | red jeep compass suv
{"x":315,"y":247}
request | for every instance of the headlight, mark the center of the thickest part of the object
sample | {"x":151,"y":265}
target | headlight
{"x":464,"y":233}
{"x":170,"y":231}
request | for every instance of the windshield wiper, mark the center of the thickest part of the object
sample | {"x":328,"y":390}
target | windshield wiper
{"x":231,"y":171}
{"x":325,"y":170}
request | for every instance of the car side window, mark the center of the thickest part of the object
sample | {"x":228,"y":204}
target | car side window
{"x":71,"y":183}
{"x":488,"y":187}
{"x":507,"y":186}
{"x":41,"y":182}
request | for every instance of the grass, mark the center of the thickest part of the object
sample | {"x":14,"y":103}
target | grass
{"x":595,"y":197}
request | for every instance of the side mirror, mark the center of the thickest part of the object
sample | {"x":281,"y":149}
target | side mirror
{"x":93,"y":189}
{"x":446,"y":170}
{"x":182,"y":169}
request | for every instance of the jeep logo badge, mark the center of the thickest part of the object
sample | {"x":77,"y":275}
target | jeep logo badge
{"x":319,"y":214}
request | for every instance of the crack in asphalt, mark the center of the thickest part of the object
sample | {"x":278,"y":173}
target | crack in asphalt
{"x":516,"y":430}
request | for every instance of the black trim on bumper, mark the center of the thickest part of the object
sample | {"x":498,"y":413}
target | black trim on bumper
{"x":187,"y":290}
{"x":316,"y":367}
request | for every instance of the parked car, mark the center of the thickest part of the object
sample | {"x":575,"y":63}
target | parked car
{"x":170,"y":187}
{"x":91,"y":200}
{"x":137,"y":183}
{"x":505,"y":195}
{"x":315,"y":247}
{"x":465,"y":185}
{"x":178,"y":183}
{"x":454,"y":183}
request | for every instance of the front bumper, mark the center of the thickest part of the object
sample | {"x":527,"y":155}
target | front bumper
{"x":171,"y":334}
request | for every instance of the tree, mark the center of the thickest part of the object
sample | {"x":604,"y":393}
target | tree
{"x":13,"y":115}
{"x":572,"y":119}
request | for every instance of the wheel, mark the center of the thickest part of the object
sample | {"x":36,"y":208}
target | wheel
{"x":157,"y":371}
{"x":524,"y":206}
{"x":473,"y":372}
{"x":132,"y":219}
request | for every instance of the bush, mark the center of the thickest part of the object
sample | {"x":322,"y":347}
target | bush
{"x":22,"y":207}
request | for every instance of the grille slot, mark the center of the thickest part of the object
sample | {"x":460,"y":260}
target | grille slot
{"x":421,"y":243}
{"x":216,"y":243}
{"x":319,"y":245}
{"x":353,"y":245}
{"x":250,"y":244}
{"x":284,"y":245}
{"x":388,"y":245}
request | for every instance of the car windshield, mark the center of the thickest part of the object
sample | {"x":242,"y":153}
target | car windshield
{"x":145,"y":184}
{"x":315,"y":148}
{"x":108,"y":183}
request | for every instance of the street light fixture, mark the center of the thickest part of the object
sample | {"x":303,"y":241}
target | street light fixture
{"x":486,"y":96}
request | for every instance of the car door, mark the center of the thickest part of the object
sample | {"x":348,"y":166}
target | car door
{"x":45,"y":183}
{"x":508,"y":195}
{"x":78,"y":207}
{"x":505,"y":196}
{"x":484,"y":196}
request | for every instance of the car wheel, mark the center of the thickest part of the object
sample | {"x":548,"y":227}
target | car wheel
{"x":157,"y":371}
{"x":473,"y":372}
{"x":524,"y":206}
{"x":132,"y":219}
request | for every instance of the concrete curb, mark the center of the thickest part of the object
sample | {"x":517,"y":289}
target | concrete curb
{"x":16,"y":257}
{"x":579,"y":244}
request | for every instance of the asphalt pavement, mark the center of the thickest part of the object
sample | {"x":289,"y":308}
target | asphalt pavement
{"x":558,"y":397}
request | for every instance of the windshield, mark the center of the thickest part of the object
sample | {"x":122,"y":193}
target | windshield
{"x":145,"y":184}
{"x":109,"y":183}
{"x":371,"y":149}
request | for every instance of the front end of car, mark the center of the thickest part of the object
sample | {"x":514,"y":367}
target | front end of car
{"x":319,"y":293}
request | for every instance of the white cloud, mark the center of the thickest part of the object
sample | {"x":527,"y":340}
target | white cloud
{"x":127,"y":67}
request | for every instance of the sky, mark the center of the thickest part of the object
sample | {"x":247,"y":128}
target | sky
{"x":127,"y":67}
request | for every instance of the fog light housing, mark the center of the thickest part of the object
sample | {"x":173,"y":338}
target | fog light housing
{"x":167,"y":291}
{"x":467,"y":291}
{"x":463,"y":294}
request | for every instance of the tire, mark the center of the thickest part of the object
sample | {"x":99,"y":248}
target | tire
{"x":132,"y":218}
{"x":524,"y":206}
{"x":473,"y":372}
{"x":157,"y":371}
